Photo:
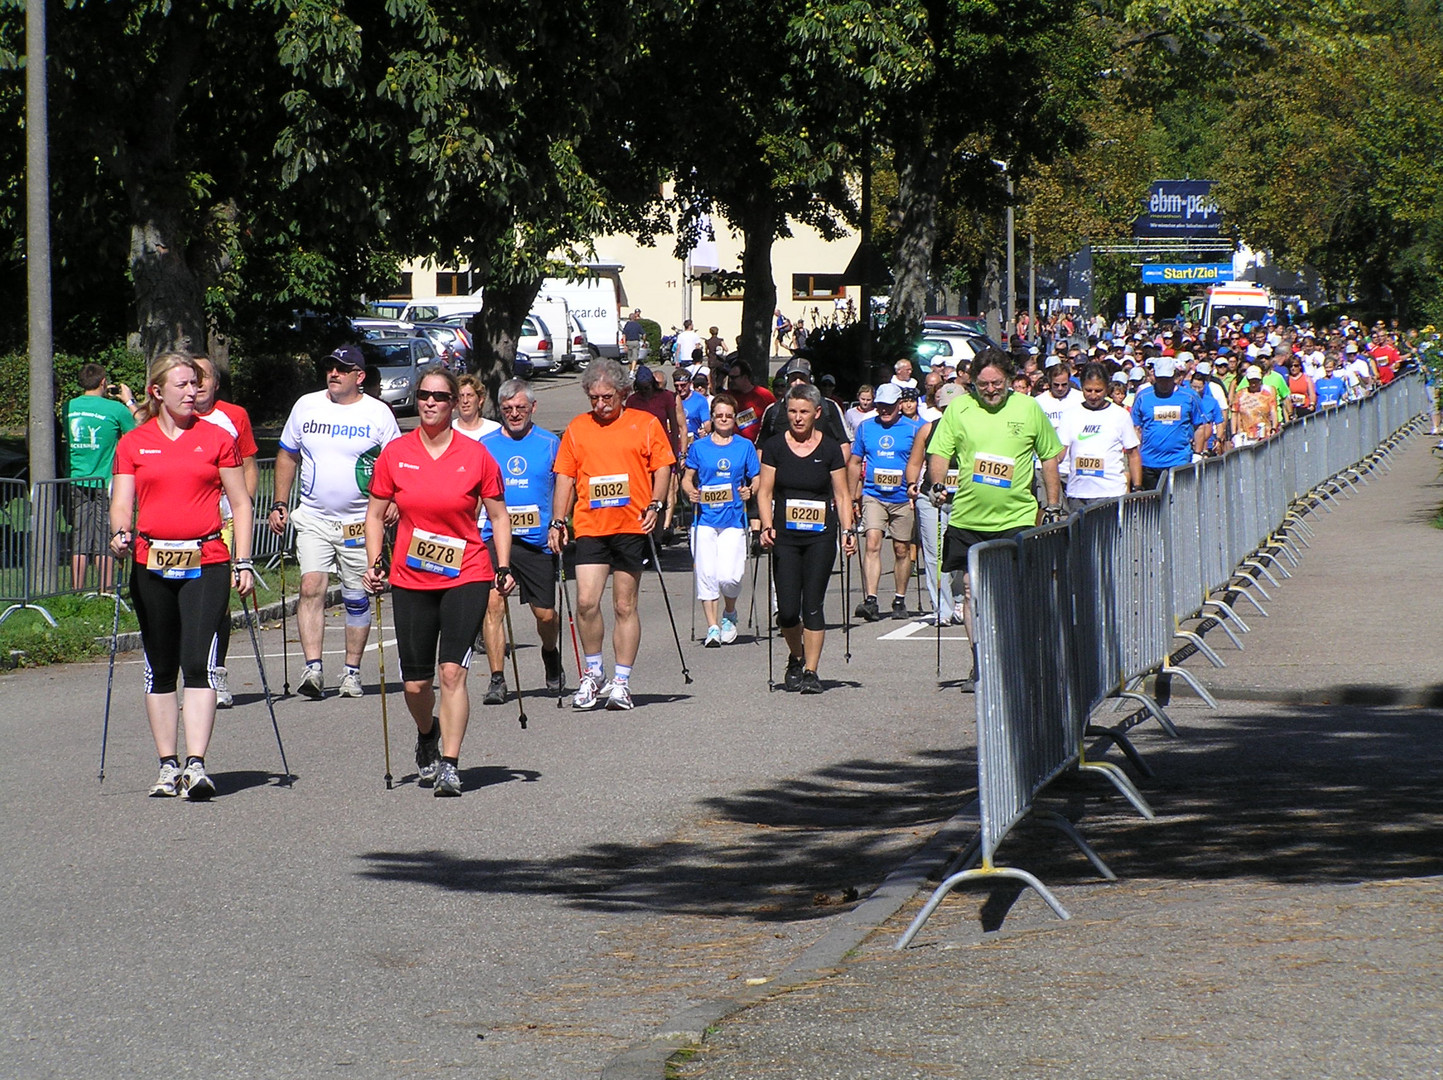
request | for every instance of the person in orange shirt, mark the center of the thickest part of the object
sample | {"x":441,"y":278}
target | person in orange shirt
{"x":610,"y":459}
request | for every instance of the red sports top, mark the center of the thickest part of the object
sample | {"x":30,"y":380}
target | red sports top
{"x":440,"y":497}
{"x":239,"y":420}
{"x":177,"y":484}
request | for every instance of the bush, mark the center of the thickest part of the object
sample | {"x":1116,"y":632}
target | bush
{"x":122,"y":365}
{"x":652,"y":329}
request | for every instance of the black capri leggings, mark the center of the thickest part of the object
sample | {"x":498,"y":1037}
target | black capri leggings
{"x":801,"y":572}
{"x":177,"y":624}
{"x":437,"y":626}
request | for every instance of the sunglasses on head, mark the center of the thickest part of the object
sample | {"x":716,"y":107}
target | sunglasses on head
{"x":443,"y":396}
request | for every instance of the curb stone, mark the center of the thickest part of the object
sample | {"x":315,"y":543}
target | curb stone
{"x":130,"y":640}
{"x":648,"y":1059}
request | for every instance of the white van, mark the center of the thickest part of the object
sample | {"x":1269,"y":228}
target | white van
{"x":595,"y":301}
{"x":1252,"y":302}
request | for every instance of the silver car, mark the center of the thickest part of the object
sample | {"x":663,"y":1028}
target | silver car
{"x":398,"y":362}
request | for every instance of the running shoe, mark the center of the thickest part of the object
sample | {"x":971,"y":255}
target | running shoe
{"x":793,"y":678}
{"x":496,"y":690}
{"x":899,"y":608}
{"x":555,"y":676}
{"x":587,"y":692}
{"x":713,"y":637}
{"x":195,"y":785}
{"x":312,"y":684}
{"x":351,"y":685}
{"x":728,"y":627}
{"x":868,"y":611}
{"x":620,"y":697}
{"x":223,"y":696}
{"x":428,"y":755}
{"x":167,"y":784}
{"x":448,"y":782}
{"x":810,"y":684}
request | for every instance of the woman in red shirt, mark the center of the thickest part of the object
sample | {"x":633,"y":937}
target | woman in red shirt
{"x":1301,"y":388}
{"x":169,"y":475}
{"x":441,"y":574}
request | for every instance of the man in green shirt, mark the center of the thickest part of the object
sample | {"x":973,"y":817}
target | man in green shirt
{"x":94,"y":423}
{"x":996,"y":435}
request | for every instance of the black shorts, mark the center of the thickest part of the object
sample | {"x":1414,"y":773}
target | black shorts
{"x":625,"y":551}
{"x":90,"y":518}
{"x":437,"y":626}
{"x":534,"y":569}
{"x":956,"y":542}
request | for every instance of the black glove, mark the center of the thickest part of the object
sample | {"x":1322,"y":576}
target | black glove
{"x":1053,"y":514}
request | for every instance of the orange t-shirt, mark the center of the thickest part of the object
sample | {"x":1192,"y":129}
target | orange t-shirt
{"x":612,"y":466}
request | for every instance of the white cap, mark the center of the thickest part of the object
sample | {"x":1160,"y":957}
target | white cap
{"x":1119,"y":377}
{"x":1204,"y":368}
{"x":1051,"y":362}
{"x":1164,"y":367}
{"x":1184,"y":358}
{"x":1135,"y":375}
{"x":1253,"y":372}
{"x":887,"y":394}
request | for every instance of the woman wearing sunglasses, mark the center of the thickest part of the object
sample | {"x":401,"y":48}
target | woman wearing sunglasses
{"x":441,"y":574}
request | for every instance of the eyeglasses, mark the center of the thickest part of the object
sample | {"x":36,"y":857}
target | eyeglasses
{"x":602,"y":397}
{"x":990,"y":385}
{"x":515,"y":408}
{"x":443,"y":396}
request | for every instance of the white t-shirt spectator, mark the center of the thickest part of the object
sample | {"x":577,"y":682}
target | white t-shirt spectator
{"x":1096,"y":441}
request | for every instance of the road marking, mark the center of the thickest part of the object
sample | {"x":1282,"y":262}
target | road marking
{"x":910,"y":631}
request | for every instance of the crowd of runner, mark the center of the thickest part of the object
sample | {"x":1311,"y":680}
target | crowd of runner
{"x":453,"y":526}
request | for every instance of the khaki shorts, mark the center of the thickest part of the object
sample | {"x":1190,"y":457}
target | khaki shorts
{"x":897,"y":520}
{"x":320,"y":549}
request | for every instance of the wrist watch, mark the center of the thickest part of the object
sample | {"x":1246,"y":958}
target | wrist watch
{"x":656,"y":506}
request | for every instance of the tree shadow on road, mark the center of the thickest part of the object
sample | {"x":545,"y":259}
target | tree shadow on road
{"x":783,"y":852}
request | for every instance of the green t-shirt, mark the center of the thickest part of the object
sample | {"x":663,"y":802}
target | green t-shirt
{"x":93,"y":425}
{"x":995,"y":451}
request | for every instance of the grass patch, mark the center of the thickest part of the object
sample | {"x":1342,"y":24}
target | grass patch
{"x":84,"y":619}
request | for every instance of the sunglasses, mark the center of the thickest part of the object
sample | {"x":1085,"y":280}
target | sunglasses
{"x":443,"y":396}
{"x":344,"y":369}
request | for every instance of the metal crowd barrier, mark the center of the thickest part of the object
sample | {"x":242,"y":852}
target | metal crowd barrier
{"x":1069,"y":615}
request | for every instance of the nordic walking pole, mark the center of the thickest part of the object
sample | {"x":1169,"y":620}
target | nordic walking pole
{"x":938,"y":604}
{"x":847,"y":605}
{"x":771,"y":681}
{"x":381,"y":663}
{"x":752,"y":614}
{"x":110,"y":678}
{"x":285,"y":633}
{"x":265,"y":684}
{"x":515,"y":664}
{"x":692,"y":549}
{"x":571,"y":621}
{"x":656,"y":560}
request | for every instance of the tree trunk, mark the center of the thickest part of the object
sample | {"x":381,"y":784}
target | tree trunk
{"x":169,"y":300}
{"x":920,"y":172}
{"x":992,"y":294}
{"x":495,"y":330}
{"x":759,"y":301}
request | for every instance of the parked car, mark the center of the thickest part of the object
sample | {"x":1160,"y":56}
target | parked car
{"x":972,"y":324}
{"x":452,"y":342}
{"x":956,"y":347}
{"x":398,"y":362}
{"x":521,"y":367}
{"x":538,"y":343}
{"x":375,"y":327}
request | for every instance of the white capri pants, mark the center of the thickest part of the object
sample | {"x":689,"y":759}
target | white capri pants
{"x":721,"y":559}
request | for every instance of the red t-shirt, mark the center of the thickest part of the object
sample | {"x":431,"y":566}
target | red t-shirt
{"x":235,"y":420}
{"x":177,"y":484}
{"x":662,"y":405}
{"x":440,"y":498}
{"x":750,"y":407}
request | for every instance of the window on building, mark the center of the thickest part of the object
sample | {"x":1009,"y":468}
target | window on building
{"x":403,"y":290}
{"x":453,"y":283}
{"x":817,"y":286}
{"x":721,"y":285}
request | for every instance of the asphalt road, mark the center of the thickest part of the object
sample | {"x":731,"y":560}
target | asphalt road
{"x":602,"y":871}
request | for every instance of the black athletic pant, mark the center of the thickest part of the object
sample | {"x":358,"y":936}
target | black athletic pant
{"x":437,"y":626}
{"x":177,"y":624}
{"x":801,"y":573}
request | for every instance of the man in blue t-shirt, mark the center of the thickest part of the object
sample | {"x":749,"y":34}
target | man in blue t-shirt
{"x":526,"y":454}
{"x":1170,"y":422}
{"x":1212,"y":413}
{"x":877,"y":469}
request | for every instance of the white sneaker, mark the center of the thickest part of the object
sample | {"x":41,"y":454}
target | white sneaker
{"x":312,"y":684}
{"x":587,"y":693}
{"x":351,"y":685}
{"x":167,"y":785}
{"x":223,"y":698}
{"x":713,"y":637}
{"x":728,"y":628}
{"x":619,"y":698}
{"x":195,"y":784}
